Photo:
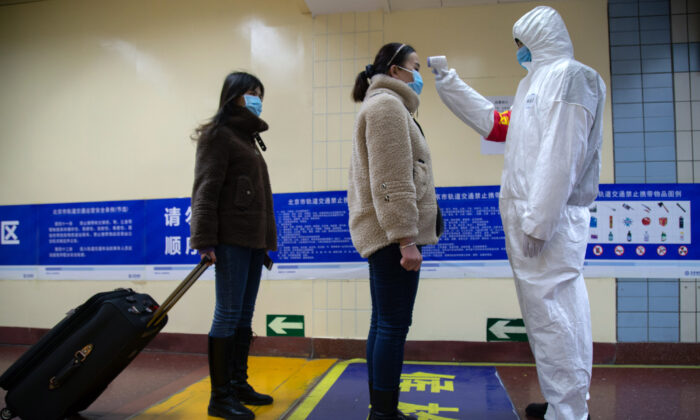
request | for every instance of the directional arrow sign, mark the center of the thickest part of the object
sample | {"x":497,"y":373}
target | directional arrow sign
{"x":502,"y":329}
{"x":285,"y":325}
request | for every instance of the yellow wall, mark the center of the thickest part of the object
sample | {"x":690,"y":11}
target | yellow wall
{"x":100,"y":97}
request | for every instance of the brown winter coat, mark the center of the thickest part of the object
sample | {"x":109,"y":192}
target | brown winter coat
{"x":231,"y":196}
{"x":391,"y":194}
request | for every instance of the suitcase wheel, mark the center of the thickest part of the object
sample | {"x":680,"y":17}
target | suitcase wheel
{"x":6,"y":414}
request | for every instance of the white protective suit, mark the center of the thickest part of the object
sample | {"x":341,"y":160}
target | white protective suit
{"x":550,"y":178}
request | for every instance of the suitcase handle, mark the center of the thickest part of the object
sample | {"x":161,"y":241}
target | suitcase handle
{"x":181,"y":289}
{"x":67,"y":371}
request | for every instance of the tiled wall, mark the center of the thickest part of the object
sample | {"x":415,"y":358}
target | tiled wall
{"x":655,"y":67}
{"x":343,"y":45}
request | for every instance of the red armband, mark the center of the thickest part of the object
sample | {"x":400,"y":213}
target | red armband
{"x":500,"y":126}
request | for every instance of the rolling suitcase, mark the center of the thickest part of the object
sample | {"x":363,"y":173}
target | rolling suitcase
{"x":73,"y":363}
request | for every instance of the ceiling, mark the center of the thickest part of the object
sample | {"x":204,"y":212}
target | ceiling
{"x":326,"y":7}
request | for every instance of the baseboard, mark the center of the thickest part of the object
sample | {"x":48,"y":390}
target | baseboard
{"x":438,"y":351}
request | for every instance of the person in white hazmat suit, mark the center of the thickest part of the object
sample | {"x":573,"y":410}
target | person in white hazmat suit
{"x":553,"y":136}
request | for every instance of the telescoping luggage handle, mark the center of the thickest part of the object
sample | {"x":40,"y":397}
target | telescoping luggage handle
{"x":181,"y":289}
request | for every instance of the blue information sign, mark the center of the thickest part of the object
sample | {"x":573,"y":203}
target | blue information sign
{"x":636,"y":230}
{"x":104,"y":233}
{"x":18,"y":235}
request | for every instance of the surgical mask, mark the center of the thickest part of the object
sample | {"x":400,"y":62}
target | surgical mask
{"x":417,"y":83}
{"x":524,"y":56}
{"x":253,"y":103}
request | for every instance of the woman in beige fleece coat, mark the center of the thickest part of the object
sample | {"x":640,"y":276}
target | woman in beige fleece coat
{"x":393,"y":210}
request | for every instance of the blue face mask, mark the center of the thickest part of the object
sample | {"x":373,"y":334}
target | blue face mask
{"x":524,"y":56}
{"x":417,"y":83}
{"x":254,"y":104}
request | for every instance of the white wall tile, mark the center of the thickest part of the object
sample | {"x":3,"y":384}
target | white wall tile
{"x":363,"y":320}
{"x":684,"y":172}
{"x":683,"y":116}
{"x":320,"y":294}
{"x":684,"y":145}
{"x":696,"y":145}
{"x":689,"y":332}
{"x":696,"y":171}
{"x":681,"y":84}
{"x":319,"y":325}
{"x":695,"y":86}
{"x":695,"y":111}
{"x":349,"y":320}
{"x":364,"y":299}
{"x":679,"y":29}
{"x":335,"y":328}
{"x":694,"y":26}
{"x":335,"y":294}
{"x":349,"y":294}
{"x":688,"y":296}
{"x":678,"y":6}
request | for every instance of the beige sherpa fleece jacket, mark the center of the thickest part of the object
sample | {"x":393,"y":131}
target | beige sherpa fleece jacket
{"x":391,"y":194}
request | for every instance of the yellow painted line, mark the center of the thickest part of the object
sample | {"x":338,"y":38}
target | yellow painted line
{"x":286,"y":379}
{"x":312,"y":400}
{"x":533,"y":365}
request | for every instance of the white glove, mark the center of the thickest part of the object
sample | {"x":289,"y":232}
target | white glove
{"x":532,"y":246}
{"x":438,"y":63}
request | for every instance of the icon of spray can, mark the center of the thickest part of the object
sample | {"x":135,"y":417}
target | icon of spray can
{"x":611,"y":221}
{"x":680,"y":222}
{"x":629,"y":236}
{"x":646,"y":236}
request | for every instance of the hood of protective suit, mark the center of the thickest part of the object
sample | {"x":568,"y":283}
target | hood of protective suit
{"x":544,"y":33}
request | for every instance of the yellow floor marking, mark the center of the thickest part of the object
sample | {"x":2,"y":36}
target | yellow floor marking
{"x":286,"y":379}
{"x":310,"y":402}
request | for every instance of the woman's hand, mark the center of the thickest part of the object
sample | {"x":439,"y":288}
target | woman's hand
{"x":209,"y":252}
{"x":411,"y":258}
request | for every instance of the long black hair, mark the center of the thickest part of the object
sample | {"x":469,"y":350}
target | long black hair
{"x":388,"y":55}
{"x":235,"y":85}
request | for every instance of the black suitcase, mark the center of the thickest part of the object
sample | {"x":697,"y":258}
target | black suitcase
{"x":73,"y":363}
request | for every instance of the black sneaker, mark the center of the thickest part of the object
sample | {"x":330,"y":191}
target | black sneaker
{"x":536,"y":410}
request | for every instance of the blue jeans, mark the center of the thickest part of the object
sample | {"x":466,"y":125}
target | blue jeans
{"x":393,"y":291}
{"x":238,"y":272}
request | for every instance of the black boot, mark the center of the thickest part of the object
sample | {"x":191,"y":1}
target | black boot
{"x":536,"y":410}
{"x":223,"y":403}
{"x":239,"y":370}
{"x":385,"y":406}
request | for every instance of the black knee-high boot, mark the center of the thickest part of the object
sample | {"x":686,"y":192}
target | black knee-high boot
{"x":239,"y":370}
{"x":385,"y":406}
{"x":222,"y":402}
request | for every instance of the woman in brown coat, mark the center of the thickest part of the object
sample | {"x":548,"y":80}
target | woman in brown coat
{"x":233,"y":223}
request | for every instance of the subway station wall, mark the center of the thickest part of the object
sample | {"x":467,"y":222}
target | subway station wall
{"x":100,"y":99}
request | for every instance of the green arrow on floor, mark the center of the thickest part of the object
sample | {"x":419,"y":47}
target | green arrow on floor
{"x":288,"y":325}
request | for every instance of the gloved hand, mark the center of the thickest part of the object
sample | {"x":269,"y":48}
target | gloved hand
{"x":532,"y":246}
{"x":437,"y":63}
